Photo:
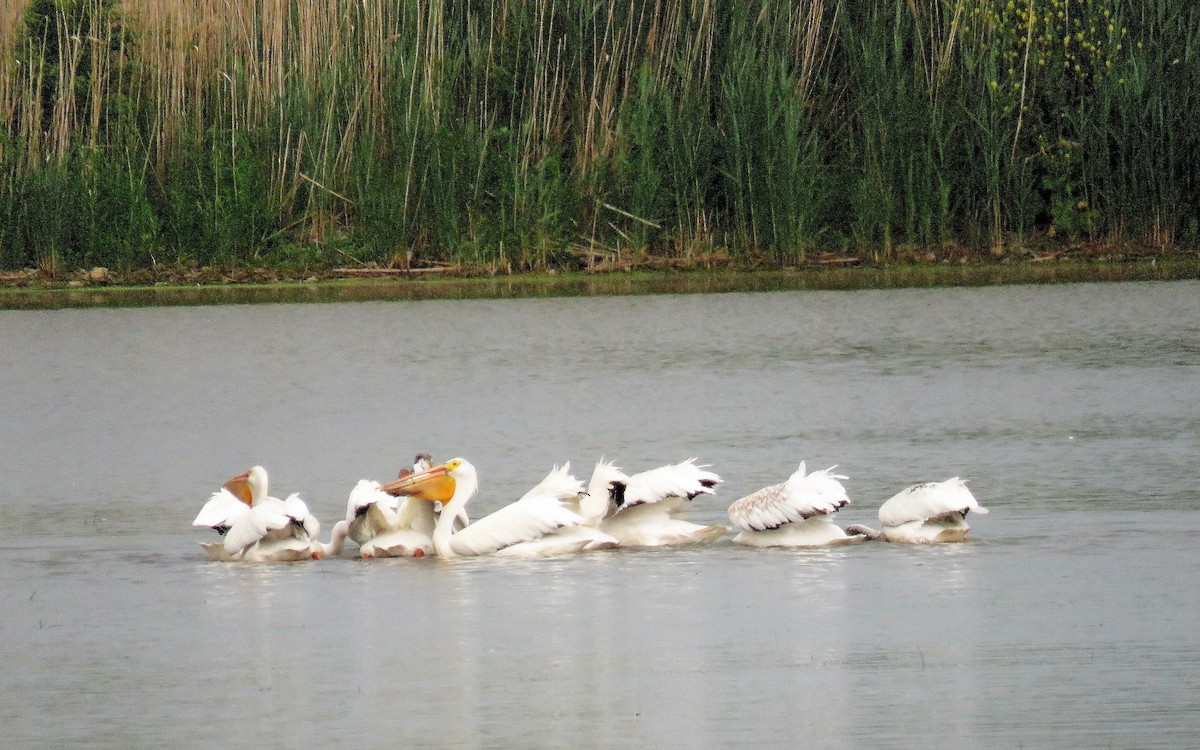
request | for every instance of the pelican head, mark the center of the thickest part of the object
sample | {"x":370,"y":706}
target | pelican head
{"x":422,"y":462}
{"x":249,"y":487}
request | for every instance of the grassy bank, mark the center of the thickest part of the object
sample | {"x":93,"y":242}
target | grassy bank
{"x":530,"y":134}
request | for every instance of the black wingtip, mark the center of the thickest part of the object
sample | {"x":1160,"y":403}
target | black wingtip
{"x":616,"y":491}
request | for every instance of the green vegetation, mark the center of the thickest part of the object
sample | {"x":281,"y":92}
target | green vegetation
{"x":524,"y":134}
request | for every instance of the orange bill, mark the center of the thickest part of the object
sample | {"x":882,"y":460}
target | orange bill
{"x":239,"y":487}
{"x":434,"y":485}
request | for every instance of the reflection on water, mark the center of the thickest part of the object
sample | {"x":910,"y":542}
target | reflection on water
{"x":1066,"y":622}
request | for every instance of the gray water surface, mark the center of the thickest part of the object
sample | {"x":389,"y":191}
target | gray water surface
{"x":1067,"y":621}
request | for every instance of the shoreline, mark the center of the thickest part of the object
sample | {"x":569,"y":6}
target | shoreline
{"x":103,"y":288}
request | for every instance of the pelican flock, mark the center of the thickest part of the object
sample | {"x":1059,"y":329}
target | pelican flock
{"x":423,"y":513}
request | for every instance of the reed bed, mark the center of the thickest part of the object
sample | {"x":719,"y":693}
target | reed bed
{"x":539,"y":133}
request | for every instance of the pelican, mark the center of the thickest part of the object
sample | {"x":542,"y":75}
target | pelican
{"x":516,"y":530}
{"x":422,"y":462}
{"x":640,"y":510}
{"x":374,"y":519}
{"x":797,"y":513}
{"x":383,"y":526}
{"x":929,"y":513}
{"x":257,"y":527}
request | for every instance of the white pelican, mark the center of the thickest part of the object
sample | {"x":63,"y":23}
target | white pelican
{"x":928,"y":513}
{"x":515,"y":530}
{"x":257,"y":527}
{"x":384,"y":526}
{"x":374,"y":520}
{"x":639,"y":510}
{"x":797,"y":513}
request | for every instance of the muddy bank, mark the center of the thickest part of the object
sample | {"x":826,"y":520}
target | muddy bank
{"x":198,"y":286}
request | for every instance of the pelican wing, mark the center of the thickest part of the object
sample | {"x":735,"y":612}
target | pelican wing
{"x":263,"y":519}
{"x":221,"y":511}
{"x":684,"y":479}
{"x":538,"y":512}
{"x":523,"y":521}
{"x":768,"y":508}
{"x":597,"y":501}
{"x":801,"y":497}
{"x":929,"y":500}
{"x":365,"y":494}
{"x":297,"y":510}
{"x":272,"y":519}
{"x":370,"y":511}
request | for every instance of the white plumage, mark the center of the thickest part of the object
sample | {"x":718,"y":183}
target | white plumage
{"x":642,"y":510}
{"x":797,"y":513}
{"x":382,"y":526}
{"x":386,"y":526}
{"x":220,"y":512}
{"x":929,"y":513}
{"x":684,"y":479}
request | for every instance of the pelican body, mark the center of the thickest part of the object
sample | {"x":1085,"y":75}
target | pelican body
{"x":383,"y":526}
{"x":641,"y":510}
{"x":796,"y":513}
{"x":375,"y":522}
{"x":257,"y":527}
{"x":929,"y":513}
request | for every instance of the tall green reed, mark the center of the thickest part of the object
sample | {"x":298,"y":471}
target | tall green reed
{"x":527,"y":133}
{"x":774,"y":160}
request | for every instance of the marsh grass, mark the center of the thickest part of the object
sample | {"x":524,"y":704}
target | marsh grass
{"x":524,"y":134}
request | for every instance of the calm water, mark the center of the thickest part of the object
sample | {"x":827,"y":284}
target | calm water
{"x":1068,"y":620}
